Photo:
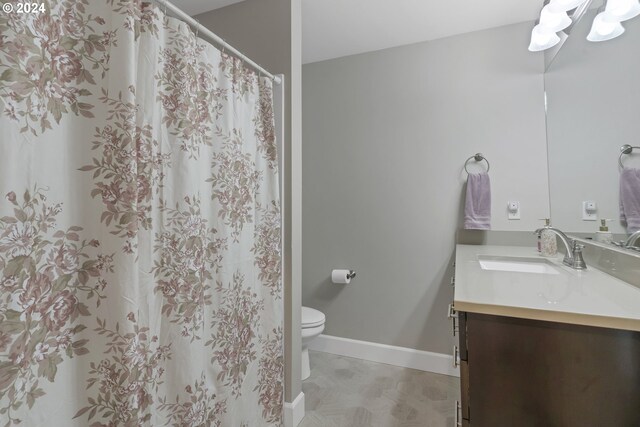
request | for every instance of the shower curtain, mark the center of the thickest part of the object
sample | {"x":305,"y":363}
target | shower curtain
{"x":140,"y":275}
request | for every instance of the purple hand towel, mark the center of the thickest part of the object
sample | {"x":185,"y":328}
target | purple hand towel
{"x":630,"y":198}
{"x":477,"y":207}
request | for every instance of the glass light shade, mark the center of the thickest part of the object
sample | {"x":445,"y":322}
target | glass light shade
{"x":542,"y":38}
{"x":603,"y":30}
{"x":555,"y":21}
{"x":621,"y":10}
{"x":564,"y":5}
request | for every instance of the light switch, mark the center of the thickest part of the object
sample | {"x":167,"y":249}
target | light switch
{"x":589,"y":211}
{"x":513,"y":210}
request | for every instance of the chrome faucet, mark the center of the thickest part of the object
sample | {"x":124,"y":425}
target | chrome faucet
{"x":630,"y":243}
{"x":573,"y":257}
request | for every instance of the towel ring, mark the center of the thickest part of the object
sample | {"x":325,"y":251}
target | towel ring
{"x":625,"y":149}
{"x":478,"y":157}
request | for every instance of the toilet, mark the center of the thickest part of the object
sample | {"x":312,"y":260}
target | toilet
{"x":312,"y":326}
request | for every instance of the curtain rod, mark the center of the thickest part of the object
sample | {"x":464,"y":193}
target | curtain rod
{"x":215,"y":38}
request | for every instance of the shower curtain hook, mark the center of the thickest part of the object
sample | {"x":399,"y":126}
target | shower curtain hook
{"x":197,"y":30}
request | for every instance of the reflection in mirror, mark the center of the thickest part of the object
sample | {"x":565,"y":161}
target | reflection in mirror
{"x":593,"y":108}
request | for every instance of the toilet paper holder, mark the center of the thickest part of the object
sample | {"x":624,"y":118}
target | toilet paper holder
{"x":342,"y":276}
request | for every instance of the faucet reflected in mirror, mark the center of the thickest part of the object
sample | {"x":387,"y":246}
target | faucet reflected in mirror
{"x":631,"y":242}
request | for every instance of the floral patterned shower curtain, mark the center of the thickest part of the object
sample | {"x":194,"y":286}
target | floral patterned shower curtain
{"x":140,"y":275}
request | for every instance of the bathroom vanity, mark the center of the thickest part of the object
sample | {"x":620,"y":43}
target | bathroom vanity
{"x":540,"y":344}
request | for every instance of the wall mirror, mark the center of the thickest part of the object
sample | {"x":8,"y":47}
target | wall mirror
{"x":593,"y":108}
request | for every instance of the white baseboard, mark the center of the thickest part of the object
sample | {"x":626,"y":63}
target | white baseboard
{"x":294,"y":411}
{"x":389,"y":354}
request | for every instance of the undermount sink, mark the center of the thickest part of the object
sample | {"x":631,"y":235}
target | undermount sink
{"x":517,"y":264}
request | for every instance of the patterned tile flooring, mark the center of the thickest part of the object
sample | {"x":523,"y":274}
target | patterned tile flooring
{"x":346,"y":392}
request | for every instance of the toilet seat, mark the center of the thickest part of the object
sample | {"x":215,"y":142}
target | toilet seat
{"x":312,"y":318}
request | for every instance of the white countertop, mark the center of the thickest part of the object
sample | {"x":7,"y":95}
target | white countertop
{"x":588,"y":297}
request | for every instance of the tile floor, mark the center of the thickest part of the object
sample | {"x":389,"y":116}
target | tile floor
{"x":346,"y":392}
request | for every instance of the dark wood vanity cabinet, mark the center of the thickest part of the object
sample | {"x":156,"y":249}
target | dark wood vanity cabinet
{"x":518,"y":372}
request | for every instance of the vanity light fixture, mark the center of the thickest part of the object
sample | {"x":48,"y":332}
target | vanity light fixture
{"x":606,"y":25}
{"x":542,"y":38}
{"x":554,"y":20}
{"x":621,"y":10}
{"x":604,"y":29}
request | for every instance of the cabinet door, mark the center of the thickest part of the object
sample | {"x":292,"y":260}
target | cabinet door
{"x":462,"y":335}
{"x":464,"y":391}
{"x":531,"y":373}
{"x":464,"y":367}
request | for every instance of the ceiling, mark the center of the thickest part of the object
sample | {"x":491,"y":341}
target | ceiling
{"x":335,"y":28}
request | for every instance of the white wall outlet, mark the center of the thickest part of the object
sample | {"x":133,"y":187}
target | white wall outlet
{"x":589,"y":211}
{"x":513,"y":210}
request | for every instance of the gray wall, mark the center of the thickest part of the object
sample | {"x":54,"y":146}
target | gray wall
{"x":593,"y":96}
{"x":385,"y":136}
{"x":269,"y":32}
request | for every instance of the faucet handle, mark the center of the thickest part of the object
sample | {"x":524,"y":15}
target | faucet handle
{"x":577,"y":246}
{"x":578,"y":261}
